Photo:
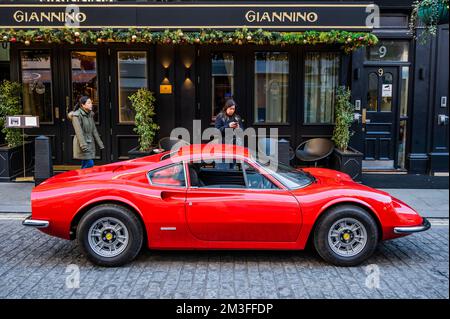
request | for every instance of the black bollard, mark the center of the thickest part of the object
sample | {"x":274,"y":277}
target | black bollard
{"x":43,"y":164}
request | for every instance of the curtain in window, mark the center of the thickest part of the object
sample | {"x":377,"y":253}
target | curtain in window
{"x":321,"y":81}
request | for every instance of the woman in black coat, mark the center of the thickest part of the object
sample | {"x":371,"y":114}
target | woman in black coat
{"x":227,"y":119}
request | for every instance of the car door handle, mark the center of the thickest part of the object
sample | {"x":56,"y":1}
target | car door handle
{"x":173,"y":195}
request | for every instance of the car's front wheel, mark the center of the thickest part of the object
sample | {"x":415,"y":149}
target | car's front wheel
{"x":110,"y":235}
{"x":346,"y":235}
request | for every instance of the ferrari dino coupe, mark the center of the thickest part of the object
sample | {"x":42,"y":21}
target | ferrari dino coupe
{"x":185,"y":200}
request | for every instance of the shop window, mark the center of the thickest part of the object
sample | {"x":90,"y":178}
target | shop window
{"x":168,"y":176}
{"x":36,"y":76}
{"x":389,"y":50}
{"x":321,"y":81}
{"x":271,"y":87}
{"x":222,"y":77}
{"x":132,"y":75}
{"x":84,"y":78}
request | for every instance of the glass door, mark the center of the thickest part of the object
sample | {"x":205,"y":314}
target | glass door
{"x":83,"y":78}
{"x":37,"y":73}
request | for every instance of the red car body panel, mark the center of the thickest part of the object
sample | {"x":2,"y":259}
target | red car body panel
{"x":211,"y":218}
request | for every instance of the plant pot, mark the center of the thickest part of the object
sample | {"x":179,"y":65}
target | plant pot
{"x":425,"y":14}
{"x":11,"y":161}
{"x":136,"y":153}
{"x":349,"y":162}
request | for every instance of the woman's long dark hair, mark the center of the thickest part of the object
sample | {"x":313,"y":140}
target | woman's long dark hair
{"x":228,"y":103}
{"x":81,"y":101}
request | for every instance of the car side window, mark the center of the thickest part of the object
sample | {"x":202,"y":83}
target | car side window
{"x":214,"y":173}
{"x":256,"y":180}
{"x":172,"y":175}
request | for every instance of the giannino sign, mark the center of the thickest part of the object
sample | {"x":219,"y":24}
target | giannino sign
{"x":98,"y":14}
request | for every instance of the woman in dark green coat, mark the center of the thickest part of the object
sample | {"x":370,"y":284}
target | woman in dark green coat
{"x":86,"y":134}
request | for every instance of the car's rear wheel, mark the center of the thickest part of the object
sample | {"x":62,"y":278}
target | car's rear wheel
{"x":346,"y":235}
{"x":110,"y":235}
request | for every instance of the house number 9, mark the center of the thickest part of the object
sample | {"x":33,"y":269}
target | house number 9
{"x":380,"y":72}
{"x":383,"y":51}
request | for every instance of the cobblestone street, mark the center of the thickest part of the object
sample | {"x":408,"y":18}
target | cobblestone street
{"x":34,"y":265}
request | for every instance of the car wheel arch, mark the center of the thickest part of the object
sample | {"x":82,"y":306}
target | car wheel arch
{"x":344,"y":202}
{"x":84,"y":209}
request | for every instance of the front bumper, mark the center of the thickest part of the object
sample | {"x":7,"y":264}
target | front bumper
{"x":413,"y":229}
{"x":35,"y":223}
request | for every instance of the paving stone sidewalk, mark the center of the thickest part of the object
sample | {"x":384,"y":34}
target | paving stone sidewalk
{"x":34,"y":265}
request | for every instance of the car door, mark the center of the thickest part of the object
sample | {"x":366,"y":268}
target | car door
{"x":165,"y":212}
{"x":244,"y":214}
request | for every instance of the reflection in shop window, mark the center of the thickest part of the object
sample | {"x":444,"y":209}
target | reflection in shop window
{"x":271,"y":87}
{"x":321,"y":81}
{"x":222,"y":76}
{"x":84,"y":78}
{"x":372,"y":92}
{"x":386,"y":94}
{"x":37,"y":84}
{"x":132,"y":70}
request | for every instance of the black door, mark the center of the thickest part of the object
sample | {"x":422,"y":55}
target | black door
{"x":85,"y":73}
{"x":379,"y":117}
{"x":221,"y":76}
{"x":39,"y":71}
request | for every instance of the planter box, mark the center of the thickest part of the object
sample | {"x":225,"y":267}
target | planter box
{"x":136,"y":153}
{"x":349,"y":162}
{"x":11,"y":161}
{"x":425,"y":14}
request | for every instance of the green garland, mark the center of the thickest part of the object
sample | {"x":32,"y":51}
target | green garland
{"x":349,"y":40}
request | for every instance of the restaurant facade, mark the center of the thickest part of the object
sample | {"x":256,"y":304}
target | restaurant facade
{"x":280,"y":61}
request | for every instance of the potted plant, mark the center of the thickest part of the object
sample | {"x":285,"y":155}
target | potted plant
{"x":11,"y":152}
{"x":430,"y":13}
{"x":143,"y":103}
{"x":345,"y":158}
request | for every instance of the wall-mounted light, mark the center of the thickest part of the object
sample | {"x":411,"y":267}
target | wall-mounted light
{"x":166,"y":76}
{"x":187,"y":73}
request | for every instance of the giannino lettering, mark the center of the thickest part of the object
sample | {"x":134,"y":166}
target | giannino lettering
{"x":281,"y":16}
{"x":49,"y":16}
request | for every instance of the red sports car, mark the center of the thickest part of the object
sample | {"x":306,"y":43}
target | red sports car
{"x":186,"y":200}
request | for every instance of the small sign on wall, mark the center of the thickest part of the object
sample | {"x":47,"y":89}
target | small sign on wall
{"x":22,"y":121}
{"x":386,"y":90}
{"x":165,"y":89}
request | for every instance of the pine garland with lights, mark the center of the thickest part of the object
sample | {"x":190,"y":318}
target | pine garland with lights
{"x":349,"y":40}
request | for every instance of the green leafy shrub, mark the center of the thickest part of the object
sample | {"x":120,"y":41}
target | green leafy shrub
{"x":344,"y":117}
{"x":143,"y":102}
{"x":10,"y":104}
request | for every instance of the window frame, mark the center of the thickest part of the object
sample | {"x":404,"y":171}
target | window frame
{"x":291,"y":82}
{"x":340,"y":79}
{"x":280,"y":186}
{"x":182,"y":163}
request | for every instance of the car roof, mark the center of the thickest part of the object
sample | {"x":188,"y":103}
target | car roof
{"x":208,"y":150}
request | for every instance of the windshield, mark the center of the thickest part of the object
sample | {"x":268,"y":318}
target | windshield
{"x":287,"y":175}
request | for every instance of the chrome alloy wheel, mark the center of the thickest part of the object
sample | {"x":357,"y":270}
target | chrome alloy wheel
{"x":347,"y":237}
{"x":108,"y":237}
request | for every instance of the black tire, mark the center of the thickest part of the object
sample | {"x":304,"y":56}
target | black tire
{"x":335,"y":214}
{"x":127,"y":218}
